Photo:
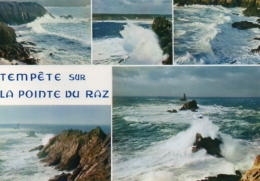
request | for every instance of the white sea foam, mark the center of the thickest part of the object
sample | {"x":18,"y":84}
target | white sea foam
{"x":172,"y":159}
{"x":138,"y":45}
{"x":46,"y":139}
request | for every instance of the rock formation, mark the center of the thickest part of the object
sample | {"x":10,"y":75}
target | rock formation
{"x":163,"y":28}
{"x":253,"y":174}
{"x":172,"y":111}
{"x":10,"y":49}
{"x":223,"y":177}
{"x":226,"y":3}
{"x":244,"y":25}
{"x":20,"y":12}
{"x":192,"y":105}
{"x":212,"y":146}
{"x":87,"y":155}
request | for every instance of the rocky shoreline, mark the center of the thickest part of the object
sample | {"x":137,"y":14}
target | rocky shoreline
{"x":213,"y":147}
{"x":252,"y":8}
{"x":16,"y":13}
{"x":83,"y":156}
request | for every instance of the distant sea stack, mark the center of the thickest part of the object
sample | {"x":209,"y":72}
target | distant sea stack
{"x":16,"y":13}
{"x":86,"y":155}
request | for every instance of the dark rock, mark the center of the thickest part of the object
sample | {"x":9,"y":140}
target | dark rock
{"x":257,"y":50}
{"x":212,"y":146}
{"x":87,"y":154}
{"x":244,"y":25}
{"x":10,"y":49}
{"x":253,"y":174}
{"x":252,"y":9}
{"x":163,"y":28}
{"x":223,"y":177}
{"x":20,"y":12}
{"x":256,"y":38}
{"x":37,"y":148}
{"x":258,"y":21}
{"x":62,"y":177}
{"x":172,"y":111}
{"x":7,"y":35}
{"x":192,"y":105}
{"x":67,"y":17}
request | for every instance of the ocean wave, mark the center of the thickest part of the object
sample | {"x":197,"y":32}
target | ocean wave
{"x":137,"y":45}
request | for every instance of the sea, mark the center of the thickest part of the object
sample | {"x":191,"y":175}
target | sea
{"x":150,"y":144}
{"x":17,"y":163}
{"x":204,"y":35}
{"x":58,"y":38}
{"x":126,"y":42}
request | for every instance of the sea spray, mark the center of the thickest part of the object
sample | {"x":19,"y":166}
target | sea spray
{"x":141,"y":44}
{"x":46,"y":139}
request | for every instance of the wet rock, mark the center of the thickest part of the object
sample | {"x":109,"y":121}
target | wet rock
{"x":192,"y":105}
{"x":172,"y":111}
{"x":10,"y":49}
{"x":62,"y":177}
{"x":252,"y":9}
{"x":212,"y":146}
{"x":163,"y":28}
{"x":86,"y":154}
{"x":37,"y":148}
{"x":257,"y":38}
{"x":257,"y":50}
{"x":16,"y":13}
{"x":223,"y":177}
{"x":253,"y":174}
{"x":244,"y":25}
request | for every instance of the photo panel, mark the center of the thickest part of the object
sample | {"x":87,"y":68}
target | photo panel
{"x":132,"y":32}
{"x":186,"y":123}
{"x":55,"y":143}
{"x":216,"y":32}
{"x":45,"y":32}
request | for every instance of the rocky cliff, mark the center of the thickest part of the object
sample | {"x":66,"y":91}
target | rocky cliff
{"x":227,"y":3}
{"x":253,"y":174}
{"x":87,"y":155}
{"x":163,"y":28}
{"x":20,"y":12}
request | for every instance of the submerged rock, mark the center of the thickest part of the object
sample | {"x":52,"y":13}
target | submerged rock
{"x":86,"y":154}
{"x":244,"y":25}
{"x":192,"y":105}
{"x":20,"y":12}
{"x":253,"y":174}
{"x":172,"y":111}
{"x":212,"y":146}
{"x":163,"y":28}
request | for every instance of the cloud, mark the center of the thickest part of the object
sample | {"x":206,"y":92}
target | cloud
{"x":133,"y":6}
{"x":195,"y":81}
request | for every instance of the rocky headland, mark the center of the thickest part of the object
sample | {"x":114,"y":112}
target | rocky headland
{"x":86,"y":155}
{"x":163,"y":28}
{"x":16,"y":13}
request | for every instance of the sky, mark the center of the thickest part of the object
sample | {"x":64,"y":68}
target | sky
{"x":194,"y":81}
{"x":58,"y":2}
{"x":133,"y":6}
{"x":66,"y":115}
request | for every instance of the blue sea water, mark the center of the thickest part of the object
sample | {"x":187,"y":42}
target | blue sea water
{"x":59,"y":40}
{"x":16,"y":162}
{"x":204,"y":35}
{"x":151,"y":144}
{"x":125,"y":42}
